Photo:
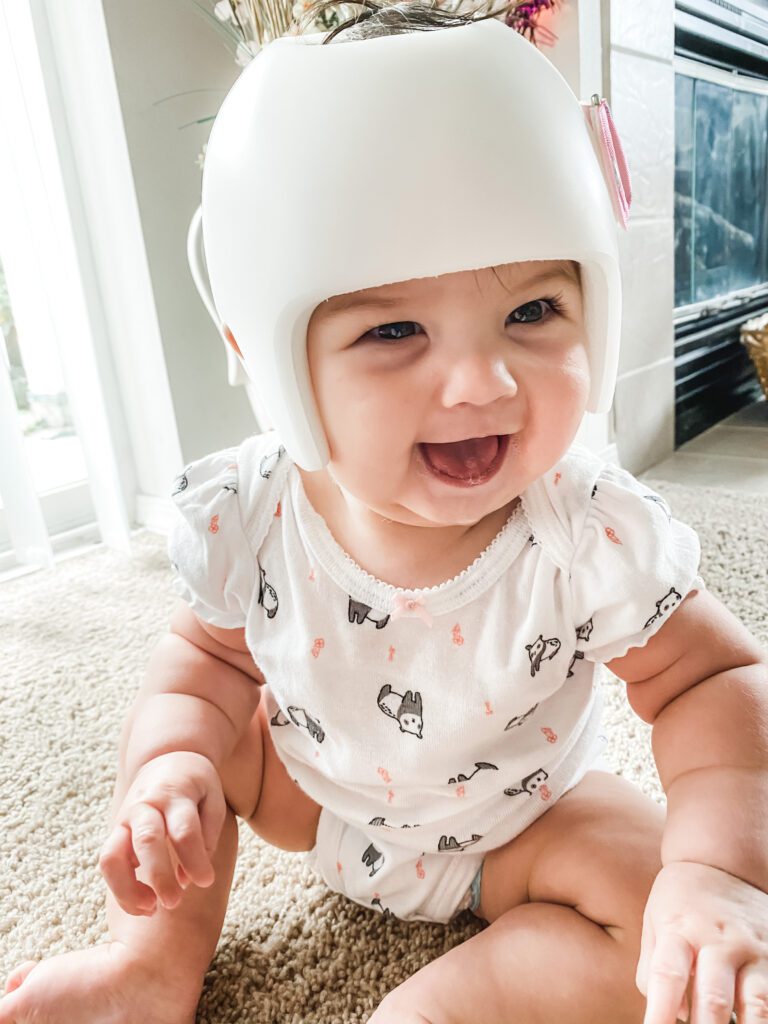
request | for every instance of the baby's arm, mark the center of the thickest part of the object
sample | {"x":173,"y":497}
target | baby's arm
{"x":199,"y":694}
{"x":702,"y":682}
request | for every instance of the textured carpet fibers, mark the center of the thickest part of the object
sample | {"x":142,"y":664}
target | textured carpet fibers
{"x":75,"y":642}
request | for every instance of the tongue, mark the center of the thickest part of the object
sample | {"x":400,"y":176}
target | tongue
{"x":462,"y":459}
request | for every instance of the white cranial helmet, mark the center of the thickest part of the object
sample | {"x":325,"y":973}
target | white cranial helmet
{"x":332,"y":168}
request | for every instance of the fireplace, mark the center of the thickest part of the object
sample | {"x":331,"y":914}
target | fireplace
{"x":721,"y":205}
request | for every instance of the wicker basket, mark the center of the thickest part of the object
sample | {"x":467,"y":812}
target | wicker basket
{"x":754,"y":336}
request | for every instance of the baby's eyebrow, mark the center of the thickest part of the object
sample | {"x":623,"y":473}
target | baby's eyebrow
{"x":362,"y":302}
{"x":545,"y":275}
{"x":353,"y":302}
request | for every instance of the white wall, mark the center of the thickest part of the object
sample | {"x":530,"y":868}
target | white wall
{"x":160,"y":50}
{"x":625,"y":53}
{"x":578,"y":55}
{"x":642,"y":98}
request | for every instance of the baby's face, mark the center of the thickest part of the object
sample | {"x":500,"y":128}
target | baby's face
{"x":475,"y":354}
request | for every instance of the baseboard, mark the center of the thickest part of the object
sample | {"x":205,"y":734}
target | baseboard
{"x":65,"y":544}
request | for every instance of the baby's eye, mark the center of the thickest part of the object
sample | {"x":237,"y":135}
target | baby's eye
{"x":530,"y":312}
{"x":393,"y":332}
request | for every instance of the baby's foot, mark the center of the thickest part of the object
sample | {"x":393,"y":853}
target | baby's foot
{"x":107,"y":984}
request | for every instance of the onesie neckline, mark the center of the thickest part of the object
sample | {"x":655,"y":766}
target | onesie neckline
{"x":441,"y":598}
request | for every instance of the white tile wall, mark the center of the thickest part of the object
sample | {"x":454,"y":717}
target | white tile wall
{"x":647,"y":258}
{"x":642,"y":102}
{"x":647,"y":26}
{"x":645,"y":416}
{"x":643,"y":108}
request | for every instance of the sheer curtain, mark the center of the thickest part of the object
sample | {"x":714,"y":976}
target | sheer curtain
{"x":48,"y":317}
{"x":69,"y":310}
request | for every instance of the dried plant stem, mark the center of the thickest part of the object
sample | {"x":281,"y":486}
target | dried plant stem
{"x":269,"y":18}
{"x":261,"y":21}
{"x":233,"y":8}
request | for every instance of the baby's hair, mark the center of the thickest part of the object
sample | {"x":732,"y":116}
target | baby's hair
{"x":385,"y":19}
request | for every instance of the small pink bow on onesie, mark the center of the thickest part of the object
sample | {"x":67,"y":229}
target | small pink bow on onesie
{"x":410,"y":607}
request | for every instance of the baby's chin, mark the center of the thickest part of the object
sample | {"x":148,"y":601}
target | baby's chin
{"x":407,"y":505}
{"x":442,"y":514}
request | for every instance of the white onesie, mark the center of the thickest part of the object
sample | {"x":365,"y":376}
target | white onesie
{"x":432,"y":725}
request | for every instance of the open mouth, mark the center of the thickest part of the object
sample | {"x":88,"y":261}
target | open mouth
{"x":467,"y":463}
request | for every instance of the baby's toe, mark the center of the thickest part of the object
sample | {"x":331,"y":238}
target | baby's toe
{"x":18,"y":974}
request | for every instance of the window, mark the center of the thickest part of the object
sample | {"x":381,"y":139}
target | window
{"x":52,"y":312}
{"x":52,"y":448}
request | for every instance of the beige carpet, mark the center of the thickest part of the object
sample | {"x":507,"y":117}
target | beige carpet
{"x":74,"y":643}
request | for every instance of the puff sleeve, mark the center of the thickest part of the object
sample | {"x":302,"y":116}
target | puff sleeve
{"x":207,"y":546}
{"x":633,"y":564}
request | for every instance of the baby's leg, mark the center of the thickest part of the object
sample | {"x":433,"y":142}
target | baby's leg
{"x":565,"y":900}
{"x":153,"y":969}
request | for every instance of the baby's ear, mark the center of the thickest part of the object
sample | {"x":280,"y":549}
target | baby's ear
{"x":231,"y":339}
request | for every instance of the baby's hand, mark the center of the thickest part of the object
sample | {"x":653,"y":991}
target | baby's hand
{"x":166,"y":828}
{"x":703,"y":920}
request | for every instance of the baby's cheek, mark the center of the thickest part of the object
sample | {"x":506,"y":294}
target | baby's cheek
{"x":556,"y":410}
{"x":571,"y":386}
{"x":575,"y":368}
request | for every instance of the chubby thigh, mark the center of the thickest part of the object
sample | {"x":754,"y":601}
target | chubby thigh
{"x":598,"y":850}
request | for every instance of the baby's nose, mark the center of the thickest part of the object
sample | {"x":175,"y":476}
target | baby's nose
{"x":477,"y":379}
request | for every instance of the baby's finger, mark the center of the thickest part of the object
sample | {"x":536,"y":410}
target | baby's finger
{"x":148,"y":834}
{"x":752,"y":993}
{"x":668,"y":973}
{"x":213,"y":812}
{"x":647,"y":944}
{"x":117,"y":865}
{"x":684,"y":1010}
{"x":185,"y":833}
{"x":714,"y":987}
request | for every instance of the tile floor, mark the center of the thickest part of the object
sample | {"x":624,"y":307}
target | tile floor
{"x":733,"y":455}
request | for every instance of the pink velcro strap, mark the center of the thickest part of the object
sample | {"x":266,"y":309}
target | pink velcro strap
{"x":615,"y":167}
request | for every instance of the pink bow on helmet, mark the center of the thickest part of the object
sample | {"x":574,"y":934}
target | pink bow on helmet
{"x":615,"y":169}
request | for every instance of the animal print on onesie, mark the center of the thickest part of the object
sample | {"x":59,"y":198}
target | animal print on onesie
{"x":432,"y":725}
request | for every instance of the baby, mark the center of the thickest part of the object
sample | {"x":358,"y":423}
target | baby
{"x":395,"y":604}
